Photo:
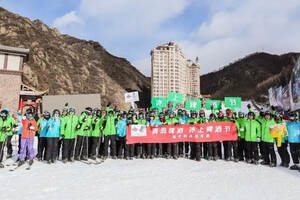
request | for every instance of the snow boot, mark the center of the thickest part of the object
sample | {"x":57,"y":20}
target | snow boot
{"x":236,"y":160}
{"x":21,"y":162}
{"x":256,"y":162}
{"x":71,"y":159}
{"x":64,"y":161}
{"x":114,"y":157}
{"x":286,"y":165}
{"x":49,"y":162}
{"x":84,"y":158}
{"x":273,"y":165}
{"x":265,"y":163}
{"x":294,"y":167}
{"x":9,"y":156}
{"x":30,"y":162}
{"x":77,"y":158}
{"x":93,"y":157}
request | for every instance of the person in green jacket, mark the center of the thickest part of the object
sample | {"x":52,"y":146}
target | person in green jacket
{"x":68,"y":133}
{"x":8,"y":123}
{"x":203,"y":119}
{"x":64,"y":114}
{"x":109,"y":132}
{"x":212,"y":147}
{"x":252,"y":135}
{"x":172,"y":148}
{"x":2,"y":141}
{"x":241,"y":120}
{"x":270,"y":156}
{"x":282,"y":150}
{"x":141,"y":149}
{"x":95,"y":135}
{"x":84,"y":131}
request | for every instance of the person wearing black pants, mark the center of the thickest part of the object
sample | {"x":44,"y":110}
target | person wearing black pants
{"x":93,"y":143}
{"x":81,"y":149}
{"x":53,"y":135}
{"x":284,"y":155}
{"x":252,"y":152}
{"x":51,"y":152}
{"x":112,"y":140}
{"x":68,"y":149}
{"x":295,"y":152}
{"x":42,"y":141}
{"x":270,"y":156}
{"x":9,"y":146}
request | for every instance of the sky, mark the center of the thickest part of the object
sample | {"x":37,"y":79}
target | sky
{"x":219,"y":32}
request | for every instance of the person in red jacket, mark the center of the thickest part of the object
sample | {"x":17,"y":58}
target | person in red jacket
{"x":27,"y":138}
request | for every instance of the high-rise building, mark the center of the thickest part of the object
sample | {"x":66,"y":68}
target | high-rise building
{"x":171,"y":72}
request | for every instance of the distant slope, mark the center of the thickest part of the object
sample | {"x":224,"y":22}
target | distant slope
{"x":249,"y":77}
{"x":67,"y":65}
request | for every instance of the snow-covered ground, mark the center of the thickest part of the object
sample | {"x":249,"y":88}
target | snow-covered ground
{"x":150,"y":179}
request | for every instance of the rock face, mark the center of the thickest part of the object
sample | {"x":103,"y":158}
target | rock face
{"x":250,"y":77}
{"x":67,"y":65}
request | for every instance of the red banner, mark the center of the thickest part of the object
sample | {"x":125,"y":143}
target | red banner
{"x":206,"y":132}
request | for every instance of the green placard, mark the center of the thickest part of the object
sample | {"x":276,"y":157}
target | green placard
{"x":159,"y":102}
{"x":175,"y":97}
{"x":233,"y":102}
{"x":213,"y":104}
{"x":193,"y":104}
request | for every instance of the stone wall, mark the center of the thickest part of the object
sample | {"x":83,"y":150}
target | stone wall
{"x":10,"y":91}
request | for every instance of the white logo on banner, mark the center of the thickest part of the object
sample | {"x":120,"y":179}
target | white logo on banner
{"x":138,"y":130}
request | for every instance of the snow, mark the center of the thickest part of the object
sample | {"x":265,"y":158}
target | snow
{"x":150,"y":179}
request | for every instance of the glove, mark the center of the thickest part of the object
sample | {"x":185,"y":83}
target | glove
{"x":3,"y":129}
{"x":84,"y":120}
{"x":86,"y":128}
{"x":258,"y":139}
{"x":117,"y":138}
{"x":248,"y":106}
{"x":62,"y":136}
{"x":31,"y":128}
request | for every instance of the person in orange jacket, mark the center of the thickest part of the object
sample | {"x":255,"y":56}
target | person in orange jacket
{"x":27,"y":138}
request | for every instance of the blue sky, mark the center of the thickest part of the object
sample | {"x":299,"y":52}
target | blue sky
{"x":217,"y":31}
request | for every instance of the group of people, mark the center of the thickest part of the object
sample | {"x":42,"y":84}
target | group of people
{"x":99,"y":134}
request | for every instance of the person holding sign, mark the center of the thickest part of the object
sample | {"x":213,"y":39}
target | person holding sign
{"x":212,"y":147}
{"x":241,"y":120}
{"x":151,"y":146}
{"x":195,"y":146}
{"x":172,"y":148}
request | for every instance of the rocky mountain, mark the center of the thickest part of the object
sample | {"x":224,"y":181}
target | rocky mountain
{"x":250,"y":77}
{"x":67,"y":65}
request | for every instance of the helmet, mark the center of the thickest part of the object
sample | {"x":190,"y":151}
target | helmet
{"x":268,"y":113}
{"x":72,"y":110}
{"x":212,"y":116}
{"x":98,"y":113}
{"x":251,"y":113}
{"x":4,"y":114}
{"x":46,"y":115}
{"x":65,"y":110}
{"x":179,"y":111}
{"x":171,"y":113}
{"x":56,"y":111}
{"x":29,"y":114}
{"x":152,"y":114}
{"x":193,"y":114}
{"x":141,"y":115}
{"x":228,"y":110}
{"x":161,"y":114}
{"x":88,"y":110}
{"x":241,"y":114}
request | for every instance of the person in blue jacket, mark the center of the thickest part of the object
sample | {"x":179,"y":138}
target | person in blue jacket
{"x":151,"y":147}
{"x":41,"y":133}
{"x":293,"y":128}
{"x":52,"y":136}
{"x":121,"y":137}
